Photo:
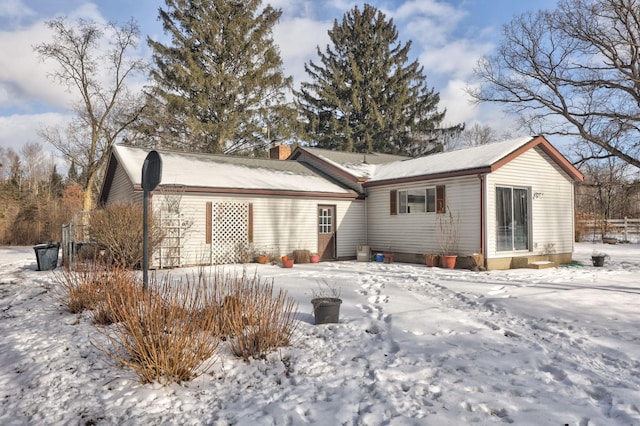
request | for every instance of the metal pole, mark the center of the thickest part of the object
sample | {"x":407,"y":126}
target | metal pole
{"x":145,"y":240}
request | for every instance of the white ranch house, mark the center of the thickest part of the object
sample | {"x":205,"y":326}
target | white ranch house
{"x":512,"y":202}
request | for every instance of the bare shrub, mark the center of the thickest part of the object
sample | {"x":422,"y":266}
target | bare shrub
{"x":257,"y":319}
{"x":159,"y":333}
{"x":87,"y":289}
{"x":301,"y":256}
{"x":244,"y":253}
{"x":88,"y":252}
{"x":170,"y":332}
{"x":118,"y":228}
{"x":81,"y":290}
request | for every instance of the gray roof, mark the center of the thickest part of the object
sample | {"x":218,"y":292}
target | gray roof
{"x":342,"y":157}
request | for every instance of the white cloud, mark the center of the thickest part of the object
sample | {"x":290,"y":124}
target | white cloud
{"x":15,"y":9}
{"x":298,"y":39}
{"x":431,"y":22}
{"x":458,"y":104}
{"x":88,"y":11}
{"x":25,"y":80}
{"x":23,"y":77}
{"x":20,"y":129}
{"x":461,"y":108}
{"x":456,"y":59}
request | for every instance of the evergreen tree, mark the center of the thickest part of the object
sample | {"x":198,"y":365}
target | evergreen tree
{"x":56,"y":184}
{"x":219,"y":84}
{"x":364,"y":96}
{"x":72,"y":175}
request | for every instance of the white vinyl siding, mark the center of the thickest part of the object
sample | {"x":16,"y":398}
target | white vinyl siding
{"x":280,"y":224}
{"x":420,"y":233}
{"x":551,"y":192}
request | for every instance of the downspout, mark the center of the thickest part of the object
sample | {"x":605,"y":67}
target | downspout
{"x":481,"y":176}
{"x":366,"y":216}
{"x":573,"y":217}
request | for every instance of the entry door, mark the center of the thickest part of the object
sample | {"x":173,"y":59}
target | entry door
{"x":327,"y":232}
{"x":512,"y":210}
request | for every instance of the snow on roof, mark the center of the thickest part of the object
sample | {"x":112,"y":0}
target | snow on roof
{"x":357,"y":164}
{"x":218,"y":171}
{"x":451,"y":161}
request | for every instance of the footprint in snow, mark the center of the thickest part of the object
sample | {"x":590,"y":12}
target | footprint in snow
{"x":366,"y":308}
{"x":496,"y":290}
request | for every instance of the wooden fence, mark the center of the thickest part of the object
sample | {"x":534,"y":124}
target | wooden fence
{"x":607,"y":230}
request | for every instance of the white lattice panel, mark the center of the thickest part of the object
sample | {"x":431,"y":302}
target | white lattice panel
{"x":169,"y":253}
{"x":230,"y":231}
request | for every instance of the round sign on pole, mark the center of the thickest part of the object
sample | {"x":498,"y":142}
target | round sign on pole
{"x":151,"y":171}
{"x":151,"y":176}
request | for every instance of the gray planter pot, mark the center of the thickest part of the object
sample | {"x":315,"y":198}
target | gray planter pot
{"x":326,"y":309}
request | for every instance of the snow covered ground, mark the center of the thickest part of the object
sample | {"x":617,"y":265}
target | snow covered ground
{"x":414,"y":346}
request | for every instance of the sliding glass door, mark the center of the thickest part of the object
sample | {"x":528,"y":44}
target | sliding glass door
{"x":512,"y":219}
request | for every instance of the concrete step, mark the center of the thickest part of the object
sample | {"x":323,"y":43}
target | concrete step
{"x":542,"y":264}
{"x":533,"y":262}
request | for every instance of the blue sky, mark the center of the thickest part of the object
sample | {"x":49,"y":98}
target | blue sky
{"x":448,"y":37}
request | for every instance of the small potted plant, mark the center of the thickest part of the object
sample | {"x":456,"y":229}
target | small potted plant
{"x":431,"y":259}
{"x":286,"y":262}
{"x":263,"y":258}
{"x":448,"y":225}
{"x":598,"y":258}
{"x":326,"y":304}
{"x":314,"y":258}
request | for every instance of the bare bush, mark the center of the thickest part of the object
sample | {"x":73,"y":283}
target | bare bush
{"x":301,"y":256}
{"x":170,"y":332}
{"x":257,"y":319}
{"x":87,"y":289}
{"x":118,"y":228}
{"x":158,"y":335}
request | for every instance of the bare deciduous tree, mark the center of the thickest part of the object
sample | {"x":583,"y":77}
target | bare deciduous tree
{"x":478,"y":134}
{"x":573,"y":71}
{"x":34,"y":166}
{"x":93,"y":62}
{"x":608,"y":192}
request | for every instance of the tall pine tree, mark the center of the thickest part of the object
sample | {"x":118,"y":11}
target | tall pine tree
{"x":365,"y":97}
{"x":219,"y":86}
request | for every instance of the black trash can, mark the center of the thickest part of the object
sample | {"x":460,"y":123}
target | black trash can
{"x":47,"y":255}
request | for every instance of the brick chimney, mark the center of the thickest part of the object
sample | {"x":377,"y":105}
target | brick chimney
{"x":280,"y":152}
